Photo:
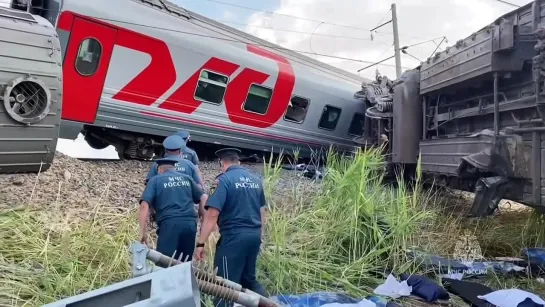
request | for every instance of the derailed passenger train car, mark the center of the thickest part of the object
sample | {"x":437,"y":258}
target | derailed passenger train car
{"x":136,"y":71}
{"x":30,"y":90}
{"x":473,"y":113}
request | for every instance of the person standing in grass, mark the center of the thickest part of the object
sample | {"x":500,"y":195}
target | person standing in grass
{"x":172,"y":196}
{"x":237,"y":205}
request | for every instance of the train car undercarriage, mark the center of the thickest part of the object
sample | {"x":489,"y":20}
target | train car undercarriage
{"x":474,"y":114}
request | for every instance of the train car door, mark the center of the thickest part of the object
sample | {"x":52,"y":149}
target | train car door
{"x":86,"y":63}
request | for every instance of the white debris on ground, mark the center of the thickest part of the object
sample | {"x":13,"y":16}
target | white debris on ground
{"x":86,"y":185}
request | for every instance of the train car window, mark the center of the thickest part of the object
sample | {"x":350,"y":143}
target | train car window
{"x":357,"y":125}
{"x":211,"y":87}
{"x":297,"y":109}
{"x":330,"y":118}
{"x":258,"y":100}
{"x":88,"y":57}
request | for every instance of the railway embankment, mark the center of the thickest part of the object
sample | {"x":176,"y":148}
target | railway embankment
{"x":66,"y":231}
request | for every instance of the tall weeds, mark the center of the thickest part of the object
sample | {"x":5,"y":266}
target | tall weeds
{"x":345,"y":236}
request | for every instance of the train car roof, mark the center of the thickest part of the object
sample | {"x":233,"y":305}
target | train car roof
{"x":518,"y":12}
{"x":6,"y":12}
{"x":176,"y":10}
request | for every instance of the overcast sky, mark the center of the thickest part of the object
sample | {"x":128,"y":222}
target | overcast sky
{"x":419,"y":21}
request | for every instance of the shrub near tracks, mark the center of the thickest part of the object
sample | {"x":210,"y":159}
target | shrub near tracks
{"x":346,"y":236}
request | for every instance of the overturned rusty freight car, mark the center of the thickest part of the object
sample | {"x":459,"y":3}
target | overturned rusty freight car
{"x":30,"y":91}
{"x":475,"y":113}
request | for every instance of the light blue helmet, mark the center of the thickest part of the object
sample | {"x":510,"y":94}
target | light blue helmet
{"x":173,"y":142}
{"x":184,"y":134}
{"x":166,"y":161}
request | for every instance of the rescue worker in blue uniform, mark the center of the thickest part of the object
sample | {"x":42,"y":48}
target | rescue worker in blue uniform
{"x":187,"y":152}
{"x":190,"y":154}
{"x":172,"y":196}
{"x":173,"y":146}
{"x":237,"y":205}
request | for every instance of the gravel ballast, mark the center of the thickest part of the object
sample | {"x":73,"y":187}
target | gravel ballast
{"x":83,"y":185}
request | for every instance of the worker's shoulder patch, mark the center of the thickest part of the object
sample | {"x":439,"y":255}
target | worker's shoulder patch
{"x":214,"y":186}
{"x":212,"y":190}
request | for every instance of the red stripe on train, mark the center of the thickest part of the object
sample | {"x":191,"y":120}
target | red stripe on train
{"x":220,"y":127}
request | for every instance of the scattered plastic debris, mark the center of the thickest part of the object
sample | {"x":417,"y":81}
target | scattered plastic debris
{"x":362,"y":303}
{"x":455,"y":269}
{"x":313,"y":299}
{"x":308,"y":171}
{"x":425,"y":288}
{"x":393,"y":288}
{"x":327,"y":299}
{"x":512,"y":298}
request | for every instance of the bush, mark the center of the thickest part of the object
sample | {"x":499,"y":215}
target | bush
{"x":347,"y":235}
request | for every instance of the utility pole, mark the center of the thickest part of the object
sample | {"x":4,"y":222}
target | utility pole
{"x":396,"y":41}
{"x":397,"y":51}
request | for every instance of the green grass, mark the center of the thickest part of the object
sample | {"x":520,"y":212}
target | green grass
{"x":39,"y":264}
{"x":343,"y":237}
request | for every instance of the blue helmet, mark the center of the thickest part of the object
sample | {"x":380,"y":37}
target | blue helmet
{"x":166,"y":161}
{"x":184,"y":134}
{"x":225,"y":152}
{"x":173,"y":142}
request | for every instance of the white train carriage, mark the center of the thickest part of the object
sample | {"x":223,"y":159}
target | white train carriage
{"x":136,"y":71}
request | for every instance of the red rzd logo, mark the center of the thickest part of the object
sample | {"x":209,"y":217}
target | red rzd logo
{"x":146,"y":88}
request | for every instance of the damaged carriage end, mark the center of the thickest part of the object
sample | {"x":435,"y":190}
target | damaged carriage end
{"x":31,"y":92}
{"x":48,"y":9}
{"x":472,"y":112}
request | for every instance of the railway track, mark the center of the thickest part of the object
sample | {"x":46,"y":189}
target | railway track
{"x":113,"y":160}
{"x":207,"y":158}
{"x":98,"y":160}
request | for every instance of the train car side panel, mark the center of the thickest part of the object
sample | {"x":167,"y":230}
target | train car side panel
{"x":87,"y":58}
{"x":151,"y":89}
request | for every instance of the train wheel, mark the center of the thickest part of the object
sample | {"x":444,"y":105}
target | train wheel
{"x":159,"y":153}
{"x":135,"y":151}
{"x":121,"y":153}
{"x":95,"y":143}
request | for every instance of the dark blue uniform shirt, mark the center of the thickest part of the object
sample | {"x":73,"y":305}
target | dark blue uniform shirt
{"x":239,"y":197}
{"x":172,"y":195}
{"x":190,"y":154}
{"x":183,"y":166}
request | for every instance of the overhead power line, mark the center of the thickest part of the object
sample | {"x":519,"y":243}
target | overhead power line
{"x":228,"y":39}
{"x":439,"y":45}
{"x":373,"y":64}
{"x":285,"y":15}
{"x":235,"y":40}
{"x":404,"y":51}
{"x":508,"y":3}
{"x":300,"y":32}
{"x":428,"y":41}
